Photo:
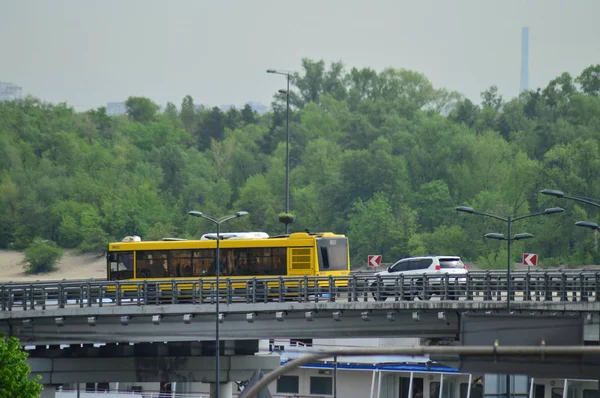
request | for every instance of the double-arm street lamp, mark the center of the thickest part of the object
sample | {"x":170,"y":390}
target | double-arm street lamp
{"x":287,"y":140}
{"x":509,"y":238}
{"x":585,"y":224}
{"x":217,"y":222}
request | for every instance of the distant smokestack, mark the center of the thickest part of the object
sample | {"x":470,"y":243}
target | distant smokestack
{"x":524,"y":59}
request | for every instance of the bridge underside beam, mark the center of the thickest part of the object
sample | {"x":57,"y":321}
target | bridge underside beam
{"x":149,"y":369}
{"x":158,"y":350}
{"x":294,"y":324}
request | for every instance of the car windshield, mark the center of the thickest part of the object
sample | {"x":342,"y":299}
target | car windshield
{"x":451,"y":263}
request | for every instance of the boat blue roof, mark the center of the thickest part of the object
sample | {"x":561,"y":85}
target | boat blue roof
{"x":397,"y":367}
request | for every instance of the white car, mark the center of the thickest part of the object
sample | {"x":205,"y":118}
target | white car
{"x":421,"y":277}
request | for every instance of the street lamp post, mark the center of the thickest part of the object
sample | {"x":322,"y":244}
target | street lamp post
{"x":287,"y":141}
{"x":509,"y":238}
{"x":217,"y":222}
{"x":585,"y":224}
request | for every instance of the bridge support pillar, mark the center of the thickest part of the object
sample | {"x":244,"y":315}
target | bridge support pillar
{"x":49,"y":391}
{"x":225,"y":390}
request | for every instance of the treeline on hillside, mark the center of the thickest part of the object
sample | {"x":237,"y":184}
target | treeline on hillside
{"x":383,"y":157}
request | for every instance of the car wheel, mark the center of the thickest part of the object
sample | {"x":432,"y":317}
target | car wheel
{"x":420,"y":293}
{"x":378,"y":297}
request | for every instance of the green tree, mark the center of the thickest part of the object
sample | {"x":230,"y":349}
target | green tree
{"x":15,"y":381}
{"x":41,"y":256}
{"x":370,"y":225}
{"x":590,"y":80}
{"x":141,"y":109}
{"x":188,"y":113}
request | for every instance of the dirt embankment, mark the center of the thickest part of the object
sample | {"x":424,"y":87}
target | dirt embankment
{"x":71,"y":266}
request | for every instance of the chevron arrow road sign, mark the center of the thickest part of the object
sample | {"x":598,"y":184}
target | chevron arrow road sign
{"x":374,"y":260}
{"x":530,"y":259}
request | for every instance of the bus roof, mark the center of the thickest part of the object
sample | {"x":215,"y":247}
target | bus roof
{"x":294,"y":239}
{"x":235,"y":235}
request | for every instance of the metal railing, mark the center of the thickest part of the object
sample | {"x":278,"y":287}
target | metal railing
{"x":574,"y":286}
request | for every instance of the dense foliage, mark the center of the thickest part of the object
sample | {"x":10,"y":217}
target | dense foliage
{"x":382,"y":157}
{"x":41,"y":256}
{"x":15,"y":371}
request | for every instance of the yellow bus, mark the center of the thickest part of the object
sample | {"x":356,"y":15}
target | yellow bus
{"x":242,"y":256}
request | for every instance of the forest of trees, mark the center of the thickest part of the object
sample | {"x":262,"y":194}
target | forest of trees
{"x":383,"y":157}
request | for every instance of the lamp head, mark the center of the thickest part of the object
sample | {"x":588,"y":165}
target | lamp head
{"x":241,"y":213}
{"x":524,"y":235}
{"x":553,"y":192}
{"x":553,"y":210}
{"x":495,"y":236}
{"x":195,"y":213}
{"x":465,"y":209}
{"x":271,"y":71}
{"x":587,"y":224}
{"x":283,"y":91}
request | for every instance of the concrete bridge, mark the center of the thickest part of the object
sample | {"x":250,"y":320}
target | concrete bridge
{"x":182,"y":314}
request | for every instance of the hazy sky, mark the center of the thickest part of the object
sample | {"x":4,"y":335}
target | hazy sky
{"x":89,"y":53}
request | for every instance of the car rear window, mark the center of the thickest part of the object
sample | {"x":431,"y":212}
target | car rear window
{"x":451,"y":263}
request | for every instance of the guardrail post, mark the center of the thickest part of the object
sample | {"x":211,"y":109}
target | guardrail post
{"x":597,"y":277}
{"x":61,"y":296}
{"x":468,"y":288}
{"x":201,"y":291}
{"x":229,"y":291}
{"x":44,"y":297}
{"x":89,"y":294}
{"x":194,"y":292}
{"x":563,"y":289}
{"x":11,"y":299}
{"x":536,"y":286}
{"x":281,"y":289}
{"x":547,"y":287}
{"x":265,"y":292}
{"x":488,"y":287}
{"x":446,"y":287}
{"x":331,"y":289}
{"x":3,"y":292}
{"x":306,"y":289}
{"x":28,"y":293}
{"x":101,"y":296}
{"x":118,"y":292}
{"x":527,"y":296}
{"x":379,"y":290}
{"x":174,"y":291}
{"x":401,"y":281}
{"x":253,"y":295}
{"x":80,"y":296}
{"x":140,"y":290}
{"x":144,"y":293}
{"x":352,"y":293}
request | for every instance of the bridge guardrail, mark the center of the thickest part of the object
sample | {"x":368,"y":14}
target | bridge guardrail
{"x":475,"y":285}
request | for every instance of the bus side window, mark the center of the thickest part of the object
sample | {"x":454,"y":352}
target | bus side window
{"x":325,"y":257}
{"x":121,"y":265}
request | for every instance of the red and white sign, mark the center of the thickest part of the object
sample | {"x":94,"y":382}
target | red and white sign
{"x":530,"y":259}
{"x":374,"y":260}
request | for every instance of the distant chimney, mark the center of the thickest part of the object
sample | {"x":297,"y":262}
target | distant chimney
{"x":524,"y":59}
